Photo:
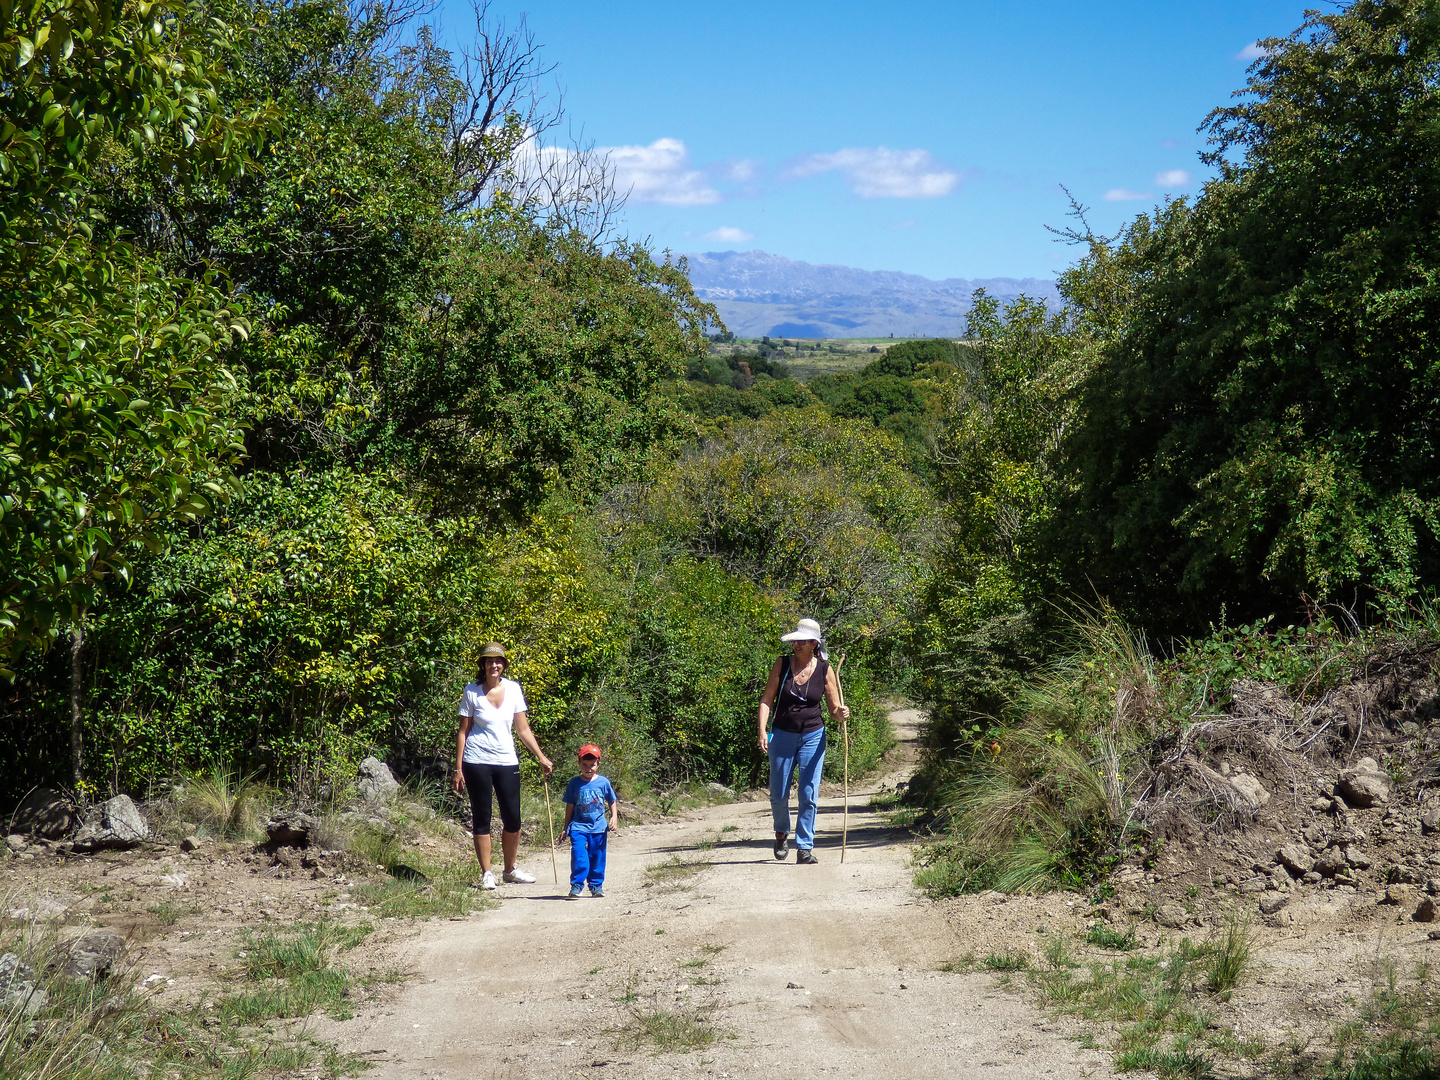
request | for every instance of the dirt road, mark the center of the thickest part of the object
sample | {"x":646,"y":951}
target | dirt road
{"x":802,"y":971}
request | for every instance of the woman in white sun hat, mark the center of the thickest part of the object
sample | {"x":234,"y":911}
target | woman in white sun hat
{"x":492,"y":713}
{"x":797,"y":685}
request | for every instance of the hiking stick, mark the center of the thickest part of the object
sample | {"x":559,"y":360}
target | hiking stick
{"x":845,"y":736}
{"x":550,"y":817}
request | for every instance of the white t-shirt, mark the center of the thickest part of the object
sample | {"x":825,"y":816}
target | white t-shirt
{"x":491,"y":740}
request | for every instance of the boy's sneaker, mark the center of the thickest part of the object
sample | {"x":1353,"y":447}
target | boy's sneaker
{"x":519,"y":877}
{"x":575,"y":891}
{"x":596,"y":890}
{"x":488,"y":881}
{"x":805,"y":857}
{"x":782,"y":848}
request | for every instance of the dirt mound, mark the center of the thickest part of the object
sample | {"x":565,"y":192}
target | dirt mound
{"x":1297,"y":803}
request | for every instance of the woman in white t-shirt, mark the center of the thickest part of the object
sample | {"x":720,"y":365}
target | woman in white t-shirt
{"x":491,"y":708}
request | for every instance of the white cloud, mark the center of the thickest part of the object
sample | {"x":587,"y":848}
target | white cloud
{"x":1121,"y":194}
{"x":1173,"y":178}
{"x":741,"y":170}
{"x":1253,"y":51}
{"x":876,"y":172}
{"x":727,"y":234}
{"x":659,"y":173}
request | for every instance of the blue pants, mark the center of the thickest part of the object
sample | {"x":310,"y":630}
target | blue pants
{"x":789,"y":751}
{"x":587,"y":858}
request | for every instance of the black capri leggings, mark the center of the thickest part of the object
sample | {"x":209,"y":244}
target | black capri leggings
{"x":504,"y":781}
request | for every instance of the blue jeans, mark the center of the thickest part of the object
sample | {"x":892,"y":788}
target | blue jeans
{"x":587,"y":858}
{"x":789,"y":751}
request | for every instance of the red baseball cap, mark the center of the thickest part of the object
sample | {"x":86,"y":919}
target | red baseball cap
{"x":588,"y":749}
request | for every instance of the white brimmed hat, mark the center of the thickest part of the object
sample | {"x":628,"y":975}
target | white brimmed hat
{"x":806,"y":630}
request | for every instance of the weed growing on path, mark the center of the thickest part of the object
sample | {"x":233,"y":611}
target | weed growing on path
{"x":1230,"y":956}
{"x":420,"y":888}
{"x":671,"y":1030}
{"x":1009,"y":960}
{"x":1103,"y":937}
{"x":672,"y":874}
{"x":294,"y":973}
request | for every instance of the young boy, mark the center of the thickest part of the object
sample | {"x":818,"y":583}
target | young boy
{"x":590,"y":814}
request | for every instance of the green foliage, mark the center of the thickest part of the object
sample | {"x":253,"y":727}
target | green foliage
{"x":1260,"y":424}
{"x":1000,"y":421}
{"x":290,"y":635}
{"x":1230,"y":957}
{"x":911,"y":358}
{"x":119,"y":417}
{"x":546,"y":359}
{"x":817,"y":510}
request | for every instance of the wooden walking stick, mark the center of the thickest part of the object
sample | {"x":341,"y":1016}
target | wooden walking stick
{"x":549,"y":816}
{"x":845,"y":736}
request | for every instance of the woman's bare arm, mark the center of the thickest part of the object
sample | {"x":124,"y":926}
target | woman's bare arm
{"x":522,"y":729}
{"x":767,"y":699}
{"x":832,"y":696}
{"x":459,"y":780}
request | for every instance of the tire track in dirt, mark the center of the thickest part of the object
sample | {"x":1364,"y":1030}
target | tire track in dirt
{"x":805,"y":971}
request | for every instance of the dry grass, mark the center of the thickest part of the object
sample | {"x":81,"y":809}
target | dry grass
{"x":222,"y":802}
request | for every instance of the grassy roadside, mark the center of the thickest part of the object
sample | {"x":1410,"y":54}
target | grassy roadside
{"x":1165,"y":1010}
{"x":115,"y":1028}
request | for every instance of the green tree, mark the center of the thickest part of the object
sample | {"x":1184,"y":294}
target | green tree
{"x":1000,"y":477}
{"x":119,"y":417}
{"x":1261,"y":424}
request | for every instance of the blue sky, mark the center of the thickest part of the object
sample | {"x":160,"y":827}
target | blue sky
{"x":923,"y":137}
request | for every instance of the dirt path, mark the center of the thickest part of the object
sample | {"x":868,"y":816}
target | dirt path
{"x":805,"y":971}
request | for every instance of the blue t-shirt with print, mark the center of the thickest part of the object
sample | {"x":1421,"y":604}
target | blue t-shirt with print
{"x":589,"y":800}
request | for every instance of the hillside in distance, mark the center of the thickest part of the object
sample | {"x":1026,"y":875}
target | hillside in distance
{"x":758,"y":293}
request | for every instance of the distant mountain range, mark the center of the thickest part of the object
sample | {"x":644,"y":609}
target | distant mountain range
{"x":758,"y":293}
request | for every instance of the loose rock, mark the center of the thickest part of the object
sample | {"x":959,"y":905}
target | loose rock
{"x":93,"y":955}
{"x":1296,"y":857}
{"x":1332,"y":862}
{"x":1251,"y":790}
{"x":46,"y":813}
{"x":1430,"y":821}
{"x":1273,"y":902}
{"x":377,"y":783}
{"x":1425,"y":910}
{"x":1400,"y":895}
{"x":116,"y":823}
{"x":1172,"y":915}
{"x":1366,"y":784}
{"x":190,"y":843}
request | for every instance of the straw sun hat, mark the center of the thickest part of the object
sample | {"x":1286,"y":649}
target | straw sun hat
{"x":806,"y":630}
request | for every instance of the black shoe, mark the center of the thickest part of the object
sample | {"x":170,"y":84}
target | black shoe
{"x":805,"y":857}
{"x":782,"y":848}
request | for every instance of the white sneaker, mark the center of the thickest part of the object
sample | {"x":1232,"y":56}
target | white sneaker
{"x":519,"y":877}
{"x":488,"y":881}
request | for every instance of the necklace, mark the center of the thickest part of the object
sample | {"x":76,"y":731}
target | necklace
{"x":809,"y":670}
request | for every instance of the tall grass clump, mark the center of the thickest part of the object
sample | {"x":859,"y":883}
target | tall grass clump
{"x":1110,"y":737}
{"x":1230,"y":956}
{"x":222,"y":800}
{"x":1043,"y":804}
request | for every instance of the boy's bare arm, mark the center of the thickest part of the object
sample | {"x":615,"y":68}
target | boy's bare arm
{"x":614,"y":816}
